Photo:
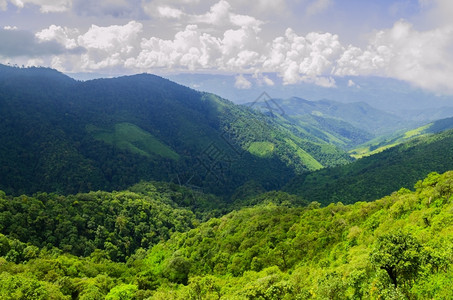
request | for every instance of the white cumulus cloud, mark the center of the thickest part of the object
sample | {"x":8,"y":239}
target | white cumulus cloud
{"x":109,"y":46}
{"x":169,"y":12}
{"x":104,"y":47}
{"x":423,"y":58}
{"x":218,"y":38}
{"x":60,"y":34}
{"x":190,"y":49}
{"x":303,"y":58}
{"x":268,"y":81}
{"x":220,"y":14}
{"x":242,"y":83}
{"x":45,"y":6}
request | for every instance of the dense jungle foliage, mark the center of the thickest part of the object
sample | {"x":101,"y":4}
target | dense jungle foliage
{"x":398,"y":247}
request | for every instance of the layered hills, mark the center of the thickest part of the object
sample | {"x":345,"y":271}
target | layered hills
{"x":381,"y":143}
{"x":374,"y":176}
{"x":139,"y":188}
{"x":345,"y":125}
{"x":66,"y":136}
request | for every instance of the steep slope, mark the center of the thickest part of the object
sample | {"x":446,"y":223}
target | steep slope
{"x":343,"y":124}
{"x":398,"y":247}
{"x":384,"y":142}
{"x":65,"y":136}
{"x":374,"y":176}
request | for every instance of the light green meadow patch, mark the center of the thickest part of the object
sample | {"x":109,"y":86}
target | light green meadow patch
{"x":307,"y":159}
{"x":127,"y":136}
{"x":261,"y":149}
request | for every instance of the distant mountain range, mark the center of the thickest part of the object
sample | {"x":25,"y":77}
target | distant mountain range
{"x":67,"y":136}
{"x":386,"y":94}
{"x":62,"y":135}
{"x":384,"y":142}
{"x":374,"y":176}
{"x":346,"y":125}
{"x":225,"y":224}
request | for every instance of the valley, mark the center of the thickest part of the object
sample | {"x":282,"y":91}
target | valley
{"x":136,"y":187}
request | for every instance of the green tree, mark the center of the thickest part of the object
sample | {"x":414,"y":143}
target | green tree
{"x":400,"y":255}
{"x":177,"y":269}
{"x":122,"y":292}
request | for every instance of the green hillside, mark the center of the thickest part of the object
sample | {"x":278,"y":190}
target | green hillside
{"x":382,"y":143}
{"x":126,"y":136}
{"x":374,"y":176}
{"x":398,"y":247}
{"x":346,"y":125}
{"x":65,"y":136}
{"x":139,"y":188}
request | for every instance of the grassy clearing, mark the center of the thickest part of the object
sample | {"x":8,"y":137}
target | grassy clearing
{"x":261,"y":149}
{"x":417,"y":131}
{"x":306,"y":158}
{"x":127,"y":136}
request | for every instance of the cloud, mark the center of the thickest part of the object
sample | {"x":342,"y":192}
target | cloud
{"x":438,"y":12}
{"x":16,"y":43}
{"x":242,"y":83}
{"x":169,"y":12}
{"x":167,"y":9}
{"x":218,"y":38}
{"x":105,"y":47}
{"x":299,"y":58}
{"x":3,"y":4}
{"x":296,"y":58}
{"x":268,"y":81}
{"x":45,"y":6}
{"x":109,"y":46}
{"x":220,"y":15}
{"x":351,"y":83}
{"x":62,"y":35}
{"x":424,"y":58}
{"x":263,"y":79}
{"x":190,"y":49}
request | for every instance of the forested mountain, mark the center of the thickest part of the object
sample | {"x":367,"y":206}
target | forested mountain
{"x":377,"y":175}
{"x":139,"y":188}
{"x":398,"y":247}
{"x":361,"y":115}
{"x":66,"y":136}
{"x":387,"y":141}
{"x":393,"y":96}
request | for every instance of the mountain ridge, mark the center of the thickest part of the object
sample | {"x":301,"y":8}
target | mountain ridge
{"x":374,"y":176}
{"x":100,"y":134}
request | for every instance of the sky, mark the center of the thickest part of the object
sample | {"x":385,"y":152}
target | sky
{"x":311,"y":41}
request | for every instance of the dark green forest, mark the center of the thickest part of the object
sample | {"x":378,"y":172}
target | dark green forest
{"x":139,"y":188}
{"x":65,"y":136}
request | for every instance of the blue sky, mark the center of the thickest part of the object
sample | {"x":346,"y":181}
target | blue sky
{"x":301,"y":40}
